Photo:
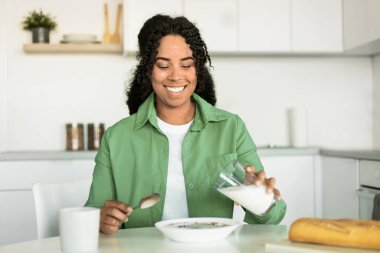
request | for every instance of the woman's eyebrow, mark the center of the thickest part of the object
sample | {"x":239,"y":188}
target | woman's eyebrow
{"x":187,"y":58}
{"x":162,"y":58}
{"x":167,"y":59}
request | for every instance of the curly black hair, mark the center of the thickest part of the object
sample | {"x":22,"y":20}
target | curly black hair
{"x":149,"y":37}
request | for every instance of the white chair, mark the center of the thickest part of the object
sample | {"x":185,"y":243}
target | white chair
{"x":50,"y":197}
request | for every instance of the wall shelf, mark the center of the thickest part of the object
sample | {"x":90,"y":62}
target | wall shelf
{"x":42,"y":48}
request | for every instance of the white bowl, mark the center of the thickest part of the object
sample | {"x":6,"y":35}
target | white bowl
{"x":195,"y":230}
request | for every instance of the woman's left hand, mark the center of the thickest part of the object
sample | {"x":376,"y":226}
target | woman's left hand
{"x":259,"y":178}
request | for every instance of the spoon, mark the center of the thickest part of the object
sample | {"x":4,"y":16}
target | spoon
{"x":148,"y":201}
{"x":145,"y":202}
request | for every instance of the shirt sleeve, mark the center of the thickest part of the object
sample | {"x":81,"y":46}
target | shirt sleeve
{"x":102,"y":187}
{"x":247,"y":155}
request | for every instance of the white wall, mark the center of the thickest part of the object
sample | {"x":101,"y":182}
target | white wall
{"x":337,"y":92}
{"x":46,"y":91}
{"x":376,"y":102}
{"x":3,"y":76}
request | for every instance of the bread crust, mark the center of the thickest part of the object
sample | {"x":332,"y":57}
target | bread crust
{"x":342,"y":232}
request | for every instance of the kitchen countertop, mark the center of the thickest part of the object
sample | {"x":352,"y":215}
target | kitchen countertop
{"x":47,"y":155}
{"x":75,"y":155}
{"x":275,"y":151}
{"x":355,"y":154}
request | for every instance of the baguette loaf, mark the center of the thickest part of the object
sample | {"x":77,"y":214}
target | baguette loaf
{"x":342,"y":232}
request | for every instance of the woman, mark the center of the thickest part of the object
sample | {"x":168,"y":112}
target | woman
{"x":175,"y":142}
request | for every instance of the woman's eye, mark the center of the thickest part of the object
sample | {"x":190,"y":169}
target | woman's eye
{"x":187,"y":66}
{"x":163,"y":66}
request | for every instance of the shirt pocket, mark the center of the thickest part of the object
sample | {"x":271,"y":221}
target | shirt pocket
{"x":217,"y":164}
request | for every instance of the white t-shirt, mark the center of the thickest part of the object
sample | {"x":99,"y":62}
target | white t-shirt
{"x":175,"y":205}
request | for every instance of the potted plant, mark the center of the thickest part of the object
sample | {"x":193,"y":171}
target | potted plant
{"x":40,"y":24}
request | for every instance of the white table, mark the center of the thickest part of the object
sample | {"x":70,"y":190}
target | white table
{"x":249,"y":238}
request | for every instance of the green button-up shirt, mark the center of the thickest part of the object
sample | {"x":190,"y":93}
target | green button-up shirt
{"x":132,"y":161}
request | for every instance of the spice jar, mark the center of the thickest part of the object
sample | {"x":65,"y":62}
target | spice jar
{"x":74,"y":137}
{"x":94,"y":135}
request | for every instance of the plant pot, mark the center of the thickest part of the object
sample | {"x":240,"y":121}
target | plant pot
{"x":40,"y":35}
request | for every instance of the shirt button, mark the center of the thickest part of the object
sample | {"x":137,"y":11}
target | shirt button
{"x":191,"y":186}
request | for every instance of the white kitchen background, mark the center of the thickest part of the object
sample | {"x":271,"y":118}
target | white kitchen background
{"x":40,"y":93}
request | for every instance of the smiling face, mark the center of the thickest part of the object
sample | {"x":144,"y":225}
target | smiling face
{"x":174,"y":76}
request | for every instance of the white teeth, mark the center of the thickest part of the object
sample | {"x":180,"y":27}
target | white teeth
{"x":175,"y":89}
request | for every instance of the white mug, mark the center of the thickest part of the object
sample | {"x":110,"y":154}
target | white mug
{"x":79,"y":229}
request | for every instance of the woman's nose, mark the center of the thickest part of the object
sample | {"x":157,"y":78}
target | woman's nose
{"x":175,"y":74}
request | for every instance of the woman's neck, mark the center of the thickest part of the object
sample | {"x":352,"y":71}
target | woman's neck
{"x":177,"y":116}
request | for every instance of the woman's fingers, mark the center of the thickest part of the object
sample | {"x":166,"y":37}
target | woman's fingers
{"x":112,"y":215}
{"x":270,"y":183}
{"x":123,"y":207}
{"x":253,"y":177}
{"x":108,"y":224}
{"x":276,"y":193}
{"x":250,"y":176}
{"x":260,"y":178}
{"x":250,"y":169}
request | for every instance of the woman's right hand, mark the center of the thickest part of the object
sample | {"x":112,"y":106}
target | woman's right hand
{"x":112,"y":215}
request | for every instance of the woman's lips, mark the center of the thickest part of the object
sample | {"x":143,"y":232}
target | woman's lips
{"x":177,"y":89}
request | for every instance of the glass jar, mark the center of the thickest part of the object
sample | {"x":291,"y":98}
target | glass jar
{"x":74,"y":137}
{"x":94,"y":135}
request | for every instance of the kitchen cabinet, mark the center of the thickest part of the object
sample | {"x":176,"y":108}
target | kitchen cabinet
{"x":299,"y":26}
{"x":3,"y":76}
{"x":339,"y":187}
{"x":17,"y":216}
{"x":17,"y":204}
{"x":376,"y":101}
{"x":316,"y":26}
{"x":361,"y":25}
{"x":217,"y":22}
{"x":355,"y":23}
{"x":264,"y":26}
{"x":218,"y":27}
{"x":249,"y":26}
{"x":136,"y":12}
{"x":373,"y":19}
{"x":369,"y":182}
{"x":297,"y":178}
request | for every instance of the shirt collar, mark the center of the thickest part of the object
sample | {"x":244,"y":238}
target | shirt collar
{"x":204,"y":113}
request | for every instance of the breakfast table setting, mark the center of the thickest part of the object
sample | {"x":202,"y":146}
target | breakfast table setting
{"x":245,"y":238}
{"x":79,"y":229}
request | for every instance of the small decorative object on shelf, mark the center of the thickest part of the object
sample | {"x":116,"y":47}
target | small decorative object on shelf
{"x":95,"y":133}
{"x":115,"y":37}
{"x":40,"y":24}
{"x":107,"y":33}
{"x":74,"y":137}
